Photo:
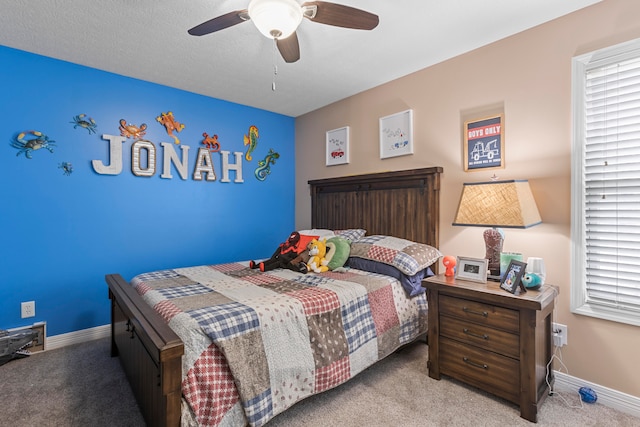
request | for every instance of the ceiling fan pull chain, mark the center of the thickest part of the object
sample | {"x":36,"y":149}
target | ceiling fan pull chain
{"x":275,"y":67}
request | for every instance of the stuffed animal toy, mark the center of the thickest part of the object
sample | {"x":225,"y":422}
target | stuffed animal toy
{"x":291,"y":254}
{"x":338,"y":250}
{"x":302,"y":259}
{"x":531,"y":281}
{"x":317,"y":250}
{"x":449,"y":263}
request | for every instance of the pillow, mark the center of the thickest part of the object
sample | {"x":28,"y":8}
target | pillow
{"x":318,"y":232}
{"x":407,"y":256}
{"x":351,"y":234}
{"x":304,"y":241}
{"x":411,"y":284}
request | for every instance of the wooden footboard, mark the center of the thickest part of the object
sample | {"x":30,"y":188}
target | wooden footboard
{"x":150,"y":353}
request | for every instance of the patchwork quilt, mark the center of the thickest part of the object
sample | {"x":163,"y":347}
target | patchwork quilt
{"x":256,"y":343}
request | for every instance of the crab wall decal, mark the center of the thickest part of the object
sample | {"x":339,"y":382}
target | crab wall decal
{"x":67,"y":168}
{"x":84,"y":121}
{"x":132,"y":131}
{"x":29,"y":145}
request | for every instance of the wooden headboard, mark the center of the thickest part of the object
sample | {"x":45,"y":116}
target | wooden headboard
{"x":404,"y":203}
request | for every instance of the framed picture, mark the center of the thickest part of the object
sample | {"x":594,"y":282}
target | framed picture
{"x":511,"y":279}
{"x":473,"y":269}
{"x":484,"y":143}
{"x":338,"y":146}
{"x":396,"y":134}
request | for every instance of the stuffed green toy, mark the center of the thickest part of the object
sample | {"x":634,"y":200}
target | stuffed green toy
{"x":338,"y":250}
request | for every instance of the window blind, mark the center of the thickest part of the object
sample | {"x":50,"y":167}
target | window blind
{"x":612,"y":184}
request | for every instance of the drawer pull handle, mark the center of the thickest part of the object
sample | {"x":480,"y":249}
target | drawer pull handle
{"x":478,"y":313}
{"x":483,"y":336}
{"x":477,"y":365}
{"x":128,"y":325}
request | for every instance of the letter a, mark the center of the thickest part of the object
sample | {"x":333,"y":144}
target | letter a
{"x":204,"y":164}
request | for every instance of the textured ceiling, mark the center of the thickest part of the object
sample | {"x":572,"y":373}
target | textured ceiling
{"x":148,"y":40}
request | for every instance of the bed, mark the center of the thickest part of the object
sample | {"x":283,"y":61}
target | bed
{"x":166,"y":363}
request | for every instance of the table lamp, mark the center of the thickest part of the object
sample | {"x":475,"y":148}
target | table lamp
{"x":497,"y":204}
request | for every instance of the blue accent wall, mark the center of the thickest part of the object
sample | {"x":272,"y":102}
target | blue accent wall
{"x":61,"y":234}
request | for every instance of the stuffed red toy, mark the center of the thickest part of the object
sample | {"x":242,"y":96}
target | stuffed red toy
{"x":289,"y":254}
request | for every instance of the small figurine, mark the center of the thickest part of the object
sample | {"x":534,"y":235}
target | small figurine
{"x":449,"y":263}
{"x":264,"y":168}
{"x":170,"y":124}
{"x":28,"y":146}
{"x":211,"y":142}
{"x":84,"y":121}
{"x":132,"y":131}
{"x":67,"y":168}
{"x":252,"y":141}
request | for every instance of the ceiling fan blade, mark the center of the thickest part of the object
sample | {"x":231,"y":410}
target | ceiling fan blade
{"x":289,"y":48}
{"x":340,"y":15}
{"x":220,"y":23}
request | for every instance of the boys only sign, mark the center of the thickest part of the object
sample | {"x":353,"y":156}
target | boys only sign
{"x":484,"y":143}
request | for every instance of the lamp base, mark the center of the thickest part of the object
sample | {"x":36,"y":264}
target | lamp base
{"x":493,"y":240}
{"x":493,"y":277}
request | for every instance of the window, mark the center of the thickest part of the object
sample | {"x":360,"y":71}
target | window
{"x":605,"y":280}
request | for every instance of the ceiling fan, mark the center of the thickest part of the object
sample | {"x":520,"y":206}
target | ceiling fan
{"x":279,"y":19}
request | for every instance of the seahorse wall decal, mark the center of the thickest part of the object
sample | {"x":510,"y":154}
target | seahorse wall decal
{"x":252,"y":141}
{"x":264,"y":169}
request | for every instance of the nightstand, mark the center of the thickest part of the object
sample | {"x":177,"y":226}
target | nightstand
{"x":488,"y":338}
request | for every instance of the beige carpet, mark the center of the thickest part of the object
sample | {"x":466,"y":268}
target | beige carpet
{"x":81,"y":385}
{"x":398,"y":392}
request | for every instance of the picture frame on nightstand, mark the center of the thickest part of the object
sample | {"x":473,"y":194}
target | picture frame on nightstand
{"x":474,"y":269}
{"x":512,"y":278}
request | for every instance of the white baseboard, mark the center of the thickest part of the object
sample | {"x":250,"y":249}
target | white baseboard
{"x":77,"y":337}
{"x":606,"y":396}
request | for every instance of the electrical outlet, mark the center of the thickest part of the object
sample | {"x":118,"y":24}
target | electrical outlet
{"x":28,"y":309}
{"x":560,"y":332}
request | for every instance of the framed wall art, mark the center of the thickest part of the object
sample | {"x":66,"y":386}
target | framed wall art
{"x":512,"y":278}
{"x":396,"y":134}
{"x":474,"y":269}
{"x":484,"y":143}
{"x":338,"y":146}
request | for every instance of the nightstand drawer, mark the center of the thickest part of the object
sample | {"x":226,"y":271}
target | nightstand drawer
{"x":495,"y":340}
{"x":474,"y":311}
{"x":483,"y":369}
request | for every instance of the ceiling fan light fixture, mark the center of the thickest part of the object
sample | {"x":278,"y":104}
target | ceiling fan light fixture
{"x":276,"y":19}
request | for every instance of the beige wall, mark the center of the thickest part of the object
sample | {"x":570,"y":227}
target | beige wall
{"x":528,"y":76}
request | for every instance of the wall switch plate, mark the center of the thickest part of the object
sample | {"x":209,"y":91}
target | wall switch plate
{"x":28,"y":309}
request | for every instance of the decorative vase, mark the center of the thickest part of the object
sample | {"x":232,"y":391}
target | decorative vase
{"x":536,"y":265}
